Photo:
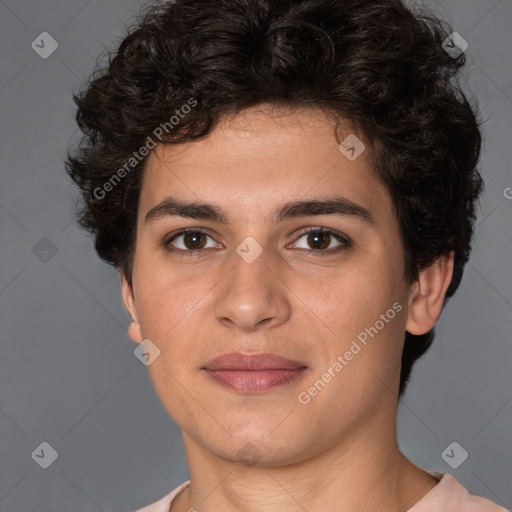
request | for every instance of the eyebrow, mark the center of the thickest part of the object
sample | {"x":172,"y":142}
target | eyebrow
{"x":338,"y":205}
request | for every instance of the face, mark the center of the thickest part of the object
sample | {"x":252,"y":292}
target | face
{"x":251,"y":280}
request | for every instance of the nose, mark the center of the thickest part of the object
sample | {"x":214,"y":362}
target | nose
{"x":252,"y":295}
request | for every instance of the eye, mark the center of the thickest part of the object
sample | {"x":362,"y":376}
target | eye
{"x":192,"y":240}
{"x":321,"y":240}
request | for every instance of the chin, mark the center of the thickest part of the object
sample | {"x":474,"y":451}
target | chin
{"x":264,"y":446}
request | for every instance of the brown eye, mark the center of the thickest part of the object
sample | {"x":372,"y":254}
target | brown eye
{"x":188,"y":241}
{"x":321,"y":241}
{"x":194,"y":240}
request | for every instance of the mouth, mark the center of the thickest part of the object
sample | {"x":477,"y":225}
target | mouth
{"x":254,"y":373}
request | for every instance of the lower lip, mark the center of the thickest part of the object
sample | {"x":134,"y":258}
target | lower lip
{"x":254,"y":381}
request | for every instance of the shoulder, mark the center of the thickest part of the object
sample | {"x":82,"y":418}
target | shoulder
{"x":449,"y":494}
{"x":164,"y":503}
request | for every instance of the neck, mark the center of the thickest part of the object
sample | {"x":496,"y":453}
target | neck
{"x":365,"y":471}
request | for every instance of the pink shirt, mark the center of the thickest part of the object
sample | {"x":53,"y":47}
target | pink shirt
{"x":447,"y":496}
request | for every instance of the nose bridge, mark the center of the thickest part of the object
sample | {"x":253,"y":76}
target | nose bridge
{"x":251,"y":291}
{"x":250,"y":261}
{"x":251,"y":273}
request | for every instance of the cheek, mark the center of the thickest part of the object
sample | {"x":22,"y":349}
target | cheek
{"x":161,"y":283}
{"x":159,"y":300}
{"x":175,"y":314}
{"x":365,"y":310}
{"x":355,"y":295}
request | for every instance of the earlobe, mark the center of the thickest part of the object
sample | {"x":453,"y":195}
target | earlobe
{"x":134,"y":332}
{"x":427,"y":295}
{"x":127,"y":295}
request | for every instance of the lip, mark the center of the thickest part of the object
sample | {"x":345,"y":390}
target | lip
{"x":253,"y":373}
{"x":248,"y":362}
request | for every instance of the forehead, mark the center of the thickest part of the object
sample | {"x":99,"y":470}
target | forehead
{"x":259,"y":157}
{"x":262,"y":132}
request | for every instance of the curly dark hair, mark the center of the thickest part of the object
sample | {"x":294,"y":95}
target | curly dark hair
{"x":374,"y":62}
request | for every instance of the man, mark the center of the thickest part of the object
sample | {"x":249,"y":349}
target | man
{"x":288,"y":191}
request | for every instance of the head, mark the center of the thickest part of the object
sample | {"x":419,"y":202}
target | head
{"x":243,"y":105}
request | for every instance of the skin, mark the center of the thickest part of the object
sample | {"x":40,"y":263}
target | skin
{"x":339,"y":451}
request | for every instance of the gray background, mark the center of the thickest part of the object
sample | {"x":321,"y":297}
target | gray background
{"x":68,"y":375}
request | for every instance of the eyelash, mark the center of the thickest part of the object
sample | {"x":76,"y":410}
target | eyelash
{"x":343,"y":239}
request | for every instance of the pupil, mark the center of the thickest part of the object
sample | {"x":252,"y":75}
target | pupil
{"x":196,"y":240}
{"x":315,"y":237}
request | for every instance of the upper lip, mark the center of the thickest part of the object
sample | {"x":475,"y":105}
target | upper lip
{"x":248,"y":362}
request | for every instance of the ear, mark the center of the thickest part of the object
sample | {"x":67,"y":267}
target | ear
{"x":129,"y":303}
{"x":427,"y":295}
